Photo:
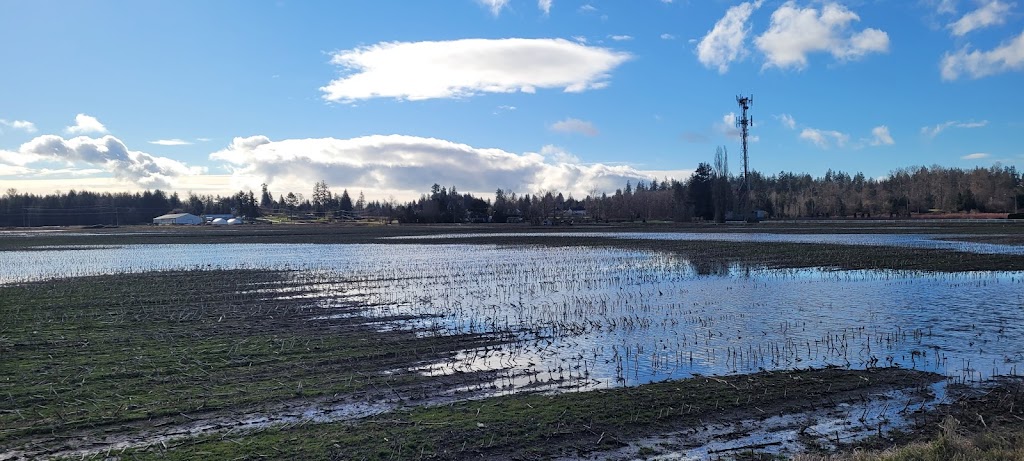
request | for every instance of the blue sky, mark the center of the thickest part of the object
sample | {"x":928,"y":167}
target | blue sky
{"x":389,"y":96}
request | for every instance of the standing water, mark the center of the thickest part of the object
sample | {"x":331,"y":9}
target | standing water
{"x":593,"y":317}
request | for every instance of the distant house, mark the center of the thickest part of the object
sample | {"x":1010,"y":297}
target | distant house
{"x":177,"y":218}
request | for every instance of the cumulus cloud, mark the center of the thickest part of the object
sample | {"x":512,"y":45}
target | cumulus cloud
{"x":494,"y":5}
{"x":11,"y":170}
{"x":728,"y":126}
{"x":588,"y":8}
{"x":787,"y":121}
{"x":976,"y":156}
{"x":461,"y":68}
{"x":824,"y":138}
{"x":575,"y":125}
{"x":558,"y":155}
{"x":795,"y":32}
{"x":23,"y":125}
{"x":171,"y":142}
{"x":933,"y":131}
{"x":109,"y":154}
{"x":85,"y":124}
{"x":409,"y":165}
{"x":667,"y":36}
{"x":18,"y":159}
{"x":991,"y":13}
{"x":544,"y":6}
{"x":724,"y":43}
{"x":1008,"y":56}
{"x":881,"y":136}
{"x":621,"y":38}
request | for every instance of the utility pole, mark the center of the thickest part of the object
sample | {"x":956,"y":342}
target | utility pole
{"x":744,"y":124}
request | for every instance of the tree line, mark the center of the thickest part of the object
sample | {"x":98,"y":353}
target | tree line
{"x":711,"y":193}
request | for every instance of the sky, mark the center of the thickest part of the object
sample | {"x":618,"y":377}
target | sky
{"x":388,"y":97}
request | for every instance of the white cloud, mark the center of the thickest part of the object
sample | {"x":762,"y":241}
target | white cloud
{"x":976,"y":156}
{"x":574,"y":125}
{"x":976,"y":64}
{"x":86,"y":124}
{"x":588,"y":8}
{"x":621,"y":38}
{"x":170,"y":142}
{"x":945,"y":6}
{"x":667,"y":36}
{"x":12,"y":170}
{"x":881,"y":136}
{"x":991,"y":13}
{"x":728,"y":126}
{"x":409,"y":165}
{"x":544,"y":6}
{"x":558,"y":155}
{"x":462,"y":68}
{"x":66,"y":172}
{"x":796,"y":32}
{"x":494,"y":5}
{"x":48,"y":181}
{"x":110,"y":154}
{"x":24,"y":125}
{"x":787,"y":121}
{"x":724,"y":43}
{"x":933,"y":131}
{"x":824,"y":138}
{"x":19,"y":159}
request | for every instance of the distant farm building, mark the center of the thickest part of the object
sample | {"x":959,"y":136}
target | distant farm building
{"x":226,"y":222}
{"x":576,"y":212}
{"x":177,"y":218}
{"x":210,"y":218}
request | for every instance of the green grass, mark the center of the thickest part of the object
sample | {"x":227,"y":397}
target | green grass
{"x":111,"y":350}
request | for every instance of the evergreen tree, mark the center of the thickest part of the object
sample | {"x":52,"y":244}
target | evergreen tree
{"x":345,"y":203}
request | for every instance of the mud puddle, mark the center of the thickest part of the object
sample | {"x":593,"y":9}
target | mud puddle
{"x":827,"y":428}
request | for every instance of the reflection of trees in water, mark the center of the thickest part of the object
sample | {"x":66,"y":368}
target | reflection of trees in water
{"x":704,"y":264}
{"x":710,"y":266}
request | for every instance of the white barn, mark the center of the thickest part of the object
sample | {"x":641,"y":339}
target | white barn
{"x":177,"y":218}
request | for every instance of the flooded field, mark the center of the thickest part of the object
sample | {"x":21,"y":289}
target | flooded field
{"x":706,"y":343}
{"x":596,"y":317}
{"x":913,"y":240}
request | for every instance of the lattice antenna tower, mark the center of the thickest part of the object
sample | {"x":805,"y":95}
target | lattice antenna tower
{"x":744,"y":124}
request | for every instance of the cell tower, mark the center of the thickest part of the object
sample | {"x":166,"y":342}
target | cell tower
{"x":744,"y":124}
